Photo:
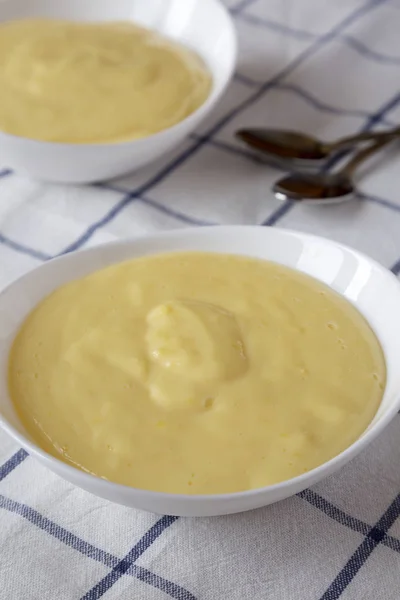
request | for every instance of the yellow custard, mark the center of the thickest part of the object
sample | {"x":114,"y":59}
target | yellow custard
{"x":73,"y":82}
{"x":196,"y":373}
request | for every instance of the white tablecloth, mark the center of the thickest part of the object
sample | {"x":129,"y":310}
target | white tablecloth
{"x":330,"y":67}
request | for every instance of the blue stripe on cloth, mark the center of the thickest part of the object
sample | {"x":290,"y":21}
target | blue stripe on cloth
{"x":363,"y":552}
{"x":324,"y":107}
{"x":378,"y":117}
{"x":241,"y":78}
{"x":137,"y":195}
{"x":81,"y":241}
{"x":265,"y":87}
{"x":334,"y":512}
{"x":384,"y":110}
{"x":396,"y":268}
{"x":173,"y":213}
{"x":160,"y":207}
{"x":173,"y":590}
{"x":242,"y":5}
{"x":12,"y":463}
{"x":130,"y":197}
{"x":126,"y":563}
{"x":278,"y":214}
{"x":255,"y":157}
{"x":343,"y":518}
{"x":362,"y":49}
{"x":37,"y":254}
{"x":252,"y":156}
{"x":376,"y":200}
{"x":58,"y":532}
{"x":314,"y":102}
{"x":279,"y":27}
{"x":302,"y":34}
{"x":89,"y":550}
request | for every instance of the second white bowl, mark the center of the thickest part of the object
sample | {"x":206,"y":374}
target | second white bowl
{"x":203,"y":25}
{"x":370,"y":287}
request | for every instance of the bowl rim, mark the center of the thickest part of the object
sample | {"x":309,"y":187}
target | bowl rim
{"x":202,"y":110}
{"x":300,"y":481}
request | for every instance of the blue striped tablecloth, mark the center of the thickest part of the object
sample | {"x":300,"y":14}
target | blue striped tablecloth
{"x":330,"y":67}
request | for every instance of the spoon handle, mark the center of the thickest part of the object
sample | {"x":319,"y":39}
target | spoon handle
{"x":366,"y":136}
{"x":361,"y":156}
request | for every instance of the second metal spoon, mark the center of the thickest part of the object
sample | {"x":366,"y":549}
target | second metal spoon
{"x":301,"y":148}
{"x":325,"y":187}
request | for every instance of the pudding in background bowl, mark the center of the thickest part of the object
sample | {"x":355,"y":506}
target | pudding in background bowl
{"x":373,"y":291}
{"x":81,"y":83}
{"x":204,"y":28}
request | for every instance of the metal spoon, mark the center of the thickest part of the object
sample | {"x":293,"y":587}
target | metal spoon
{"x":300,"y":147}
{"x":325,"y":187}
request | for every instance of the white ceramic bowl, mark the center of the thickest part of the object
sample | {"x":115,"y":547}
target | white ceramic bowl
{"x":203,"y":25}
{"x":370,"y":287}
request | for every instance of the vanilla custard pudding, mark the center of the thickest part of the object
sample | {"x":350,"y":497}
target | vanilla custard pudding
{"x":74,"y":82}
{"x":195,"y":373}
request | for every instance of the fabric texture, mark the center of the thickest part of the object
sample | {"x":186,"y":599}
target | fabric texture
{"x":329,"y":67}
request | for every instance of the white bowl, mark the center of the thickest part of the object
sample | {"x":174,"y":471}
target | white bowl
{"x":203,"y":25}
{"x":370,"y":287}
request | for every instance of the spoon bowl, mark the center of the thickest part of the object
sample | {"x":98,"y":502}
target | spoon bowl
{"x":292,"y":145}
{"x":314,"y":188}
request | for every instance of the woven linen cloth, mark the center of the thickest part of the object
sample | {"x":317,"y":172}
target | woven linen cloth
{"x":330,"y":67}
